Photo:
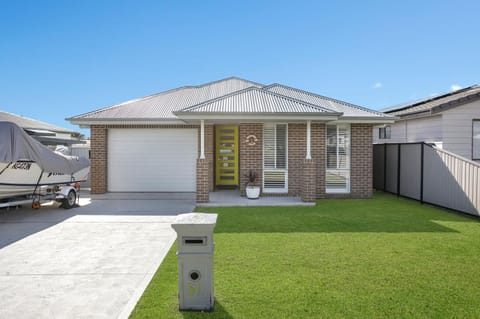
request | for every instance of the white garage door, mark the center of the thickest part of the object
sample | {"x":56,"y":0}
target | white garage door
{"x":152,"y":160}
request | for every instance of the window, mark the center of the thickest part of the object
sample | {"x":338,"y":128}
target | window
{"x":338,"y":159}
{"x":385,"y":132}
{"x":476,"y":140}
{"x":275,"y":158}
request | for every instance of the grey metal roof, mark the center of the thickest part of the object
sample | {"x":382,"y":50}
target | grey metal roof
{"x":436,"y":103}
{"x":162,"y":105}
{"x":232,"y":95}
{"x":348,"y":109}
{"x":255,"y":100}
{"x":28,"y":123}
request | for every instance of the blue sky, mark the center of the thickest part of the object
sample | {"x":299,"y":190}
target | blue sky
{"x":63,"y":58}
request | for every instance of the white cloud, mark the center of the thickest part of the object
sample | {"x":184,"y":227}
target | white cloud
{"x":377,"y":85}
{"x":455,"y":87}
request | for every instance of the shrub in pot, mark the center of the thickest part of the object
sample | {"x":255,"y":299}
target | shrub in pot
{"x":252,"y":189}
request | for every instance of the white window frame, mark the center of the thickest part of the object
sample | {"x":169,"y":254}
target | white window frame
{"x":475,"y":146}
{"x":382,"y":132}
{"x":284,"y":170}
{"x":339,"y":170}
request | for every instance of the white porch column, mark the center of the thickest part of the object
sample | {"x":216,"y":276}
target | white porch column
{"x":309,"y":155}
{"x":202,"y":139}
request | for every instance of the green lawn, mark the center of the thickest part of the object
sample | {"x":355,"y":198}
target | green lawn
{"x":380,"y":258}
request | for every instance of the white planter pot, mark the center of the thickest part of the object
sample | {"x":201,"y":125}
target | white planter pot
{"x":253,"y":192}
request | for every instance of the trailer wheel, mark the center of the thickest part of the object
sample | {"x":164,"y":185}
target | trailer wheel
{"x":69,"y":201}
{"x":36,"y":205}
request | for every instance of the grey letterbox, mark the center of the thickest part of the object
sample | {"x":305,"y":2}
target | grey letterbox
{"x":195,"y":260}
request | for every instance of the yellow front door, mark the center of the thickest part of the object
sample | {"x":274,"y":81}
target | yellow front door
{"x":226,"y":155}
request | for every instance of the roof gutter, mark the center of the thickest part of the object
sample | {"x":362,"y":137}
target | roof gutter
{"x":85,"y":123}
{"x":189,"y":116}
{"x":367,"y":120}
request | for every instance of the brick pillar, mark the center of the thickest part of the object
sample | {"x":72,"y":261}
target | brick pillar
{"x":210,"y":155}
{"x":309,"y":185}
{"x":202,"y":181}
{"x":297,"y":148}
{"x":98,"y":168}
{"x":361,"y":170}
{"x":318,"y":155}
{"x":251,"y":156}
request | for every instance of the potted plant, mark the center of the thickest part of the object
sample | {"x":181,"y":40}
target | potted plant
{"x":252,"y":189}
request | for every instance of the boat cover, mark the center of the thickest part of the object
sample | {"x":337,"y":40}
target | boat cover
{"x":16,"y":144}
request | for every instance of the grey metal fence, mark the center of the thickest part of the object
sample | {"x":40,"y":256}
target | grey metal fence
{"x":428,"y":174}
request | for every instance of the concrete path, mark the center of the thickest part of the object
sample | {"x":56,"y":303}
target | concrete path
{"x":93,"y":261}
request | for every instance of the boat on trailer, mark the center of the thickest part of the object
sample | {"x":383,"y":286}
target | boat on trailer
{"x":30,"y":172}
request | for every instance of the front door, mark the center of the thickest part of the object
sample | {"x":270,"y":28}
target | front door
{"x":226,"y":155}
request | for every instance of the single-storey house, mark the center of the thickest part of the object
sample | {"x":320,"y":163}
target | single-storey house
{"x":201,"y":138}
{"x":450,"y":121}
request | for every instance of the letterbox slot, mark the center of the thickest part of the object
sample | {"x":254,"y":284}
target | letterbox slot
{"x":195,"y":241}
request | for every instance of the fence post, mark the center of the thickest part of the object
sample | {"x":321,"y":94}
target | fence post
{"x":398,"y":169}
{"x":421,"y":171}
{"x":385,"y":167}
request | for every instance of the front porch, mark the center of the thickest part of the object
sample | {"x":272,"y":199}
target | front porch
{"x":232,"y":197}
{"x":278,"y":153}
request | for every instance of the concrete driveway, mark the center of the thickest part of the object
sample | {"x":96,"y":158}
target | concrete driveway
{"x":93,"y":261}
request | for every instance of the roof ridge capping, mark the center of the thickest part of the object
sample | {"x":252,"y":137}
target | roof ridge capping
{"x":253,"y":88}
{"x":328,"y":99}
{"x":226,"y":79}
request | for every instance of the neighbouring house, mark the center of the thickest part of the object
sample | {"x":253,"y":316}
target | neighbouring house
{"x":450,"y":121}
{"x":47,"y":134}
{"x":205,"y":137}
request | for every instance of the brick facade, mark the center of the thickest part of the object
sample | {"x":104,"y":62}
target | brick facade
{"x":98,"y":156}
{"x":202,"y":181}
{"x":318,"y":151}
{"x":309,"y":181}
{"x":361,"y":167}
{"x":300,"y":171}
{"x":251,"y":156}
{"x":209,"y":154}
{"x":297,"y":149}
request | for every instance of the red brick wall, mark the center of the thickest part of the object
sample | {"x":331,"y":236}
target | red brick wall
{"x":361,"y":167}
{"x":318,"y":139}
{"x":98,"y":154}
{"x":202,"y":181}
{"x":251,"y":156}
{"x":209,"y":154}
{"x":309,"y":184}
{"x":297,"y":149}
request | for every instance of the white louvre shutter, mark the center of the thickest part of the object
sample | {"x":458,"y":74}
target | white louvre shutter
{"x":343,"y":148}
{"x":275,"y":174}
{"x":331,"y":147}
{"x":274,"y":180}
{"x":269,"y":146}
{"x":281,"y":146}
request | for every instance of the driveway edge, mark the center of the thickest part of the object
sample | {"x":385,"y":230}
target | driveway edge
{"x":127,"y":310}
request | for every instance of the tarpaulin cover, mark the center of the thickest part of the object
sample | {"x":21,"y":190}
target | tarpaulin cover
{"x":16,"y":144}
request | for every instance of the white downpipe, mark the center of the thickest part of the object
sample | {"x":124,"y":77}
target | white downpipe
{"x":202,"y":139}
{"x":309,"y":154}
